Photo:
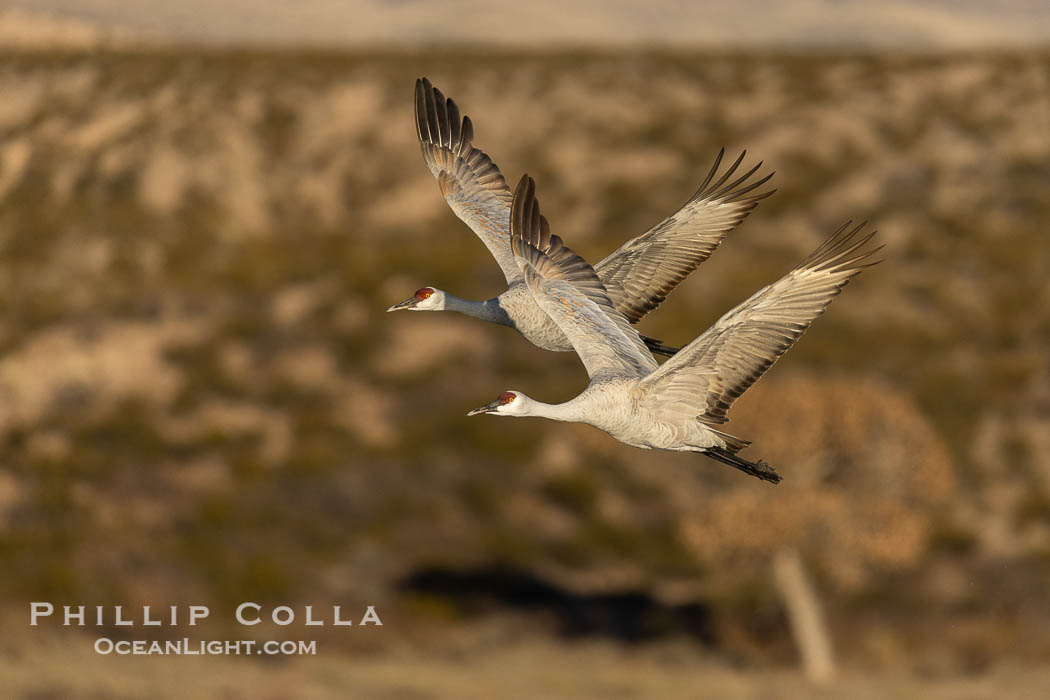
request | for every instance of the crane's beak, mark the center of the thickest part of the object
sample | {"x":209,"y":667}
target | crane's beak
{"x":487,"y":408}
{"x":406,"y":304}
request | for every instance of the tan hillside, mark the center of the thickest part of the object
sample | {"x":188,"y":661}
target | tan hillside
{"x":202,"y":399}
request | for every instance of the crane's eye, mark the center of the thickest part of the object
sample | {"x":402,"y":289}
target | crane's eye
{"x":424,"y":293}
{"x":506,"y":397}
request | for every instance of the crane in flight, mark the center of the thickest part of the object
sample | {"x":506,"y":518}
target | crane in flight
{"x":637,"y":276}
{"x":679,"y":405}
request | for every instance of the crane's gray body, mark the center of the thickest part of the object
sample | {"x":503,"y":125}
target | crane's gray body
{"x":524,"y":316}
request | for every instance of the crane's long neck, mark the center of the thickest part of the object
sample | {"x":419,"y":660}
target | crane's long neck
{"x":488,"y":310}
{"x":568,"y":412}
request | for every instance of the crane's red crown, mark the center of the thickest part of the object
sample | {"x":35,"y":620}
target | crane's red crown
{"x":506,"y":397}
{"x":424,"y":293}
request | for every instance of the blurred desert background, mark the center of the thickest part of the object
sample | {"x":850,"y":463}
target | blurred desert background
{"x":202,"y":400}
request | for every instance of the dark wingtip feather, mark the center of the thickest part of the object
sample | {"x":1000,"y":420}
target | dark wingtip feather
{"x":737,"y":194}
{"x":517,"y":208}
{"x":729,"y":173}
{"x":711,"y":172}
{"x":843,"y":250}
{"x":454,"y":124}
{"x":759,"y":197}
{"x":438,"y":120}
{"x":420,"y":103}
{"x":719,"y":189}
{"x":467,"y":131}
{"x":526,"y":221}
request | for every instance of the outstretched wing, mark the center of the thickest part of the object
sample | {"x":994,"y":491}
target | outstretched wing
{"x":642,"y":272}
{"x":706,"y":376}
{"x":567,"y":289}
{"x":471,"y":183}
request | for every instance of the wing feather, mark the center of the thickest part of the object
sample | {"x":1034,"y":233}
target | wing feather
{"x":568,"y":290}
{"x":470,"y":182}
{"x":643,"y":271}
{"x":601,"y":345}
{"x":706,"y":376}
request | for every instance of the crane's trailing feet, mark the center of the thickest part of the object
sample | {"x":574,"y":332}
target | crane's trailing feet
{"x":657,"y":347}
{"x":760,"y":468}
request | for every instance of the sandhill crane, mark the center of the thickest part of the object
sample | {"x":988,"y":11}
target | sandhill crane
{"x":675,"y":406}
{"x":637,"y":276}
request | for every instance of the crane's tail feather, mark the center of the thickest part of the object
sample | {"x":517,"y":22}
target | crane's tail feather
{"x":759,"y":469}
{"x":658,"y":348}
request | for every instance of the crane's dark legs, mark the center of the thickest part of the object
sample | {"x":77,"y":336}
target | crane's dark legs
{"x":758,"y":469}
{"x":658,"y":348}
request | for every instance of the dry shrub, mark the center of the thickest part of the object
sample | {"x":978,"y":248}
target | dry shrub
{"x":864,"y":476}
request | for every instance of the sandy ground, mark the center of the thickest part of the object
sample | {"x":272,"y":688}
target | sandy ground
{"x":517,"y":670}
